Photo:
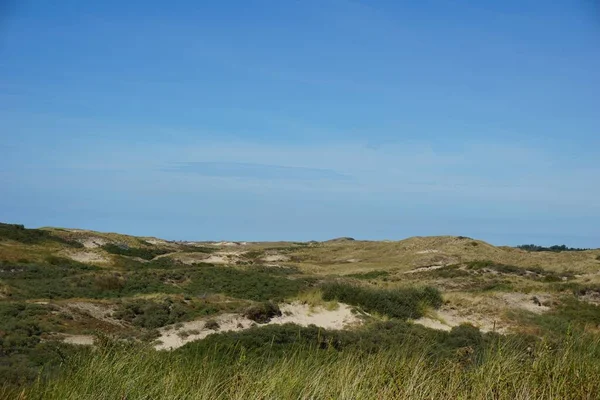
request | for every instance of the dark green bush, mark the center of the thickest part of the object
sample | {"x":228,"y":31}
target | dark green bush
{"x":32,"y":236}
{"x":277,"y":340}
{"x":154,"y":314}
{"x":396,"y":303}
{"x":243,"y":284}
{"x":211,"y":324}
{"x":141,"y":252}
{"x":262,"y":312}
{"x":555,"y":248}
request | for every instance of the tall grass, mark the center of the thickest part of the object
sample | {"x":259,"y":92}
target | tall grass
{"x":501,"y":372}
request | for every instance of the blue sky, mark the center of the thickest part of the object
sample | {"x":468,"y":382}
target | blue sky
{"x":301,"y":120}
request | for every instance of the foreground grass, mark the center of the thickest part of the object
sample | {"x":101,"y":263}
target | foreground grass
{"x":501,"y":372}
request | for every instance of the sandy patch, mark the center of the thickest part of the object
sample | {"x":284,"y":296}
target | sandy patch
{"x":301,"y":314}
{"x":87,"y":257}
{"x":591,"y":297}
{"x":155,"y":241}
{"x":93,"y":242}
{"x":531,"y":302}
{"x":223,"y":258}
{"x":446,"y":319}
{"x":82,"y":340}
{"x":424,"y":269}
{"x":275,"y":258}
{"x":98,"y":311}
{"x":485,"y":312}
{"x":227,"y":244}
{"x":428,"y":251}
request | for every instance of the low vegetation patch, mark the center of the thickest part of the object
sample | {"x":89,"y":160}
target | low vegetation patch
{"x":262,"y":312}
{"x":569,"y":316}
{"x":22,"y":351}
{"x":244,"y":284}
{"x":141,"y":252}
{"x":555,"y":248}
{"x":369,"y":275}
{"x":396,"y":303}
{"x":530,"y":272}
{"x":32,"y":236}
{"x":153,"y":314}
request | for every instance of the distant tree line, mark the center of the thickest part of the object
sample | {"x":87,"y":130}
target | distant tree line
{"x":555,"y":248}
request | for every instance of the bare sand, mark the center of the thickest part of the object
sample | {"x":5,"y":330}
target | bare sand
{"x":297,"y":313}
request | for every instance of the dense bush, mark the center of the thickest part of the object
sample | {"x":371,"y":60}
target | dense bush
{"x":141,"y":252}
{"x":243,"y":284}
{"x":262,"y":312}
{"x":154,"y":314}
{"x":381,"y":336}
{"x":397,"y":303}
{"x":555,"y":248}
{"x":22,"y":351}
{"x":62,"y":279}
{"x":31,"y":236}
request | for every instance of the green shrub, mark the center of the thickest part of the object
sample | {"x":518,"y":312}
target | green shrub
{"x":262,"y":312}
{"x":276,"y":270}
{"x":154,"y":314}
{"x":570,"y":315}
{"x":555,"y":248}
{"x":529,"y":272}
{"x":381,"y":336}
{"x":32,"y":236}
{"x":396,"y":303}
{"x":243,"y":284}
{"x":144,"y":253}
{"x":211,"y":324}
{"x":447,"y":272}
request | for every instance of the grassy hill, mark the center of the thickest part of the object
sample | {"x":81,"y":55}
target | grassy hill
{"x":96,"y":315}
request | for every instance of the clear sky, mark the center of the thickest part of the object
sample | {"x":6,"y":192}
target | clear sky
{"x":300,"y":120}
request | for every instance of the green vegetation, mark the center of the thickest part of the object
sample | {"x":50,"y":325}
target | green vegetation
{"x":369,"y":275}
{"x":153,"y":314}
{"x":395,"y":334}
{"x":570,"y":315}
{"x":298,"y":363}
{"x":396,"y":303}
{"x":31,"y":236}
{"x":142,"y":287}
{"x":276,"y":270}
{"x":530,"y":272}
{"x":62,"y":279}
{"x":22,"y":352}
{"x":141,"y":252}
{"x":555,"y":248}
{"x":244,"y":284}
{"x":262,"y":312}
